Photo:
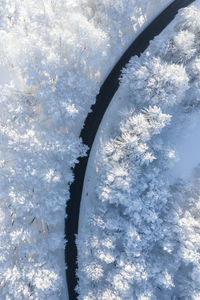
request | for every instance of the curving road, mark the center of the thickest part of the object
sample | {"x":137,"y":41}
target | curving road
{"x":88,"y":133}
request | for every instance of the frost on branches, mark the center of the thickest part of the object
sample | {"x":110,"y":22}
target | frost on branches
{"x":142,"y":237}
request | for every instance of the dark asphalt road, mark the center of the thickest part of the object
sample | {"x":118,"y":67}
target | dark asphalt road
{"x":88,"y":133}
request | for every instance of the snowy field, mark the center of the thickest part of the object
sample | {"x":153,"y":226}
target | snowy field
{"x":50,"y":75}
{"x":139,"y":232}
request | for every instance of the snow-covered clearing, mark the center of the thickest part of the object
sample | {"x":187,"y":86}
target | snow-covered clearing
{"x":57,"y":54}
{"x":139,"y":227}
{"x":187,"y":145}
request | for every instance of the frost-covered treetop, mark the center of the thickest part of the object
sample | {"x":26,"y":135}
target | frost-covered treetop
{"x":143,"y":234}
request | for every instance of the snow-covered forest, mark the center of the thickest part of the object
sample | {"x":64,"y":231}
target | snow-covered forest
{"x":54,"y":55}
{"x":141,"y":234}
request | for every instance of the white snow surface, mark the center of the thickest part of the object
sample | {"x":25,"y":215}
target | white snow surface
{"x":134,"y":244}
{"x":54,"y":55}
{"x":187,"y":147}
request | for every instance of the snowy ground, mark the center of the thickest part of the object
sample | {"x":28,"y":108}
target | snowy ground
{"x":187,"y":145}
{"x":106,"y":131}
{"x":96,"y":257}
